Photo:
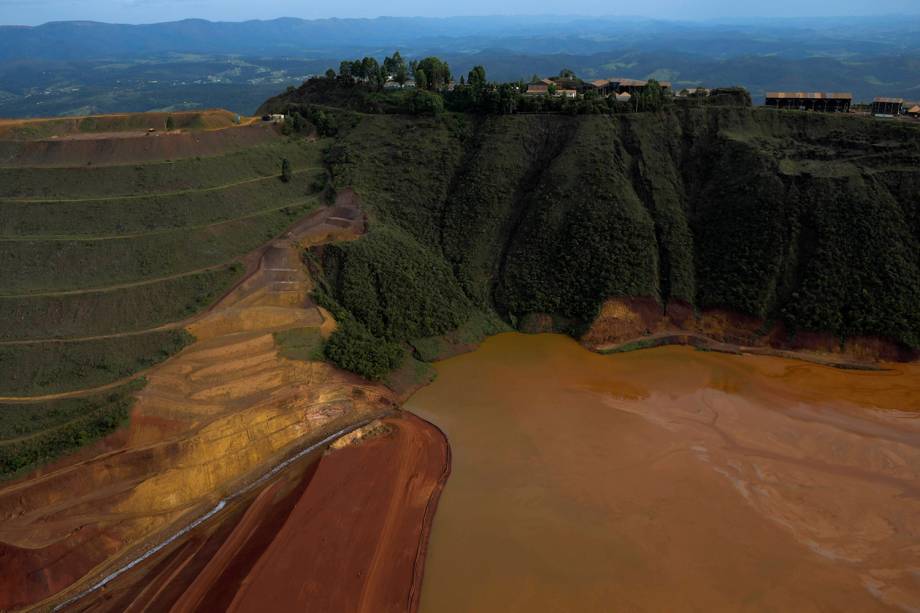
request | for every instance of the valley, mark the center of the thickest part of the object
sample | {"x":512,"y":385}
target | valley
{"x":207,"y":333}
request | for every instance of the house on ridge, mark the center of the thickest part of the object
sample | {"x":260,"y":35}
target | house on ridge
{"x":827,"y":102}
{"x":537,"y":89}
{"x":887,"y":107}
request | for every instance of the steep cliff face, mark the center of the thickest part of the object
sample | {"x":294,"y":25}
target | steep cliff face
{"x":810,"y":222}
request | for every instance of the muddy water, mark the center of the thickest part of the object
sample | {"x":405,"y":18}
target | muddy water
{"x":672,"y":479}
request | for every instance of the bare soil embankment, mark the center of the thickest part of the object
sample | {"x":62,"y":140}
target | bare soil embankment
{"x":106,"y":149}
{"x":634,"y":323}
{"x":87,"y":125}
{"x":346,"y":531}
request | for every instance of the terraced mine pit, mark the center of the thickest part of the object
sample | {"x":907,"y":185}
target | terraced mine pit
{"x":241,"y":393}
{"x":672,"y":479}
{"x":225,"y":409}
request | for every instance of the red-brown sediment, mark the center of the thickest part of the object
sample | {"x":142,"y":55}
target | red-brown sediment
{"x":624,"y":321}
{"x":672,"y":480}
{"x":366,"y":515}
{"x":347,"y":532}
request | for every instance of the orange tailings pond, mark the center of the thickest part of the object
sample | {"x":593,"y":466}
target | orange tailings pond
{"x":672,"y":479}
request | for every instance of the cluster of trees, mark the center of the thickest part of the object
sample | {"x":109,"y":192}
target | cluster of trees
{"x":385,"y":290}
{"x":353,"y":348}
{"x":305,"y":118}
{"x":509,"y":98}
{"x":430,"y":73}
{"x":474,"y":93}
{"x":371,"y":72}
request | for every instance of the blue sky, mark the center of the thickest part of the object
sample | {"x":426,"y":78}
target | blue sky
{"x":32,"y":12}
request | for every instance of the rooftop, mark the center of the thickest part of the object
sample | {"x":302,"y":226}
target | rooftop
{"x":811,"y":95}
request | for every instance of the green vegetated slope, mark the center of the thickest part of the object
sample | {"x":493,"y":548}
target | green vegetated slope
{"x":35,"y":433}
{"x":100,"y":262}
{"x":806,"y":219}
{"x":141,"y":180}
{"x":56,"y":367}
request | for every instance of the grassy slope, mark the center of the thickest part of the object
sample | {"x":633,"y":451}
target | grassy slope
{"x":809,"y":219}
{"x":112,"y":311}
{"x":124,"y":249}
{"x":43,"y":266}
{"x":304,"y":344}
{"x":144,"y":179}
{"x":146,"y":212}
{"x":50,"y":368}
{"x":31,"y":434}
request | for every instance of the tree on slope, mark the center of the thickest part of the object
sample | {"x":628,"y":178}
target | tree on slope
{"x":395,"y":67}
{"x":437,"y":72}
{"x":477,"y":76}
{"x":286,"y":173}
{"x":421,"y":79}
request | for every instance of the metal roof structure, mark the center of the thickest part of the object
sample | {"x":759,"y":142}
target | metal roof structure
{"x":811,"y":95}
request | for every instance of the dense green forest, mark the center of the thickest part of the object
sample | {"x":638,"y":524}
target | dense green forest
{"x":806,"y":220}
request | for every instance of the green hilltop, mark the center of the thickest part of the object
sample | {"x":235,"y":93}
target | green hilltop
{"x":479,"y":220}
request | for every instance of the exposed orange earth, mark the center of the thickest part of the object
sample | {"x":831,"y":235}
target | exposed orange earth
{"x":346,"y":532}
{"x":365,"y":516}
{"x":626,"y":321}
{"x":672,"y":479}
{"x":211,"y":419}
{"x":104,"y":140}
{"x":36,"y":128}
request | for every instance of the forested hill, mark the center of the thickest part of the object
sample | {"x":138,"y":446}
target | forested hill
{"x":83,"y":68}
{"x":844,"y":37}
{"x":806,"y":220}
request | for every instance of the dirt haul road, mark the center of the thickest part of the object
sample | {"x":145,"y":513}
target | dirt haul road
{"x":127,"y":139}
{"x":209,"y":420}
{"x":344,"y":532}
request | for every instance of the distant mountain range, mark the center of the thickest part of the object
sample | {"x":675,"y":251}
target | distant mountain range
{"x":841,"y":37}
{"x":88,"y":67}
